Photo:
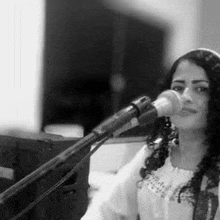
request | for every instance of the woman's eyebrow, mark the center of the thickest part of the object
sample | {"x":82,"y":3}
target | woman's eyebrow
{"x":194,"y":81}
{"x":199,"y":81}
{"x":178,"y":81}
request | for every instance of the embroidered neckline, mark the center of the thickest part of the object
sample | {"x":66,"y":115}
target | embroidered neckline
{"x":167,"y":186}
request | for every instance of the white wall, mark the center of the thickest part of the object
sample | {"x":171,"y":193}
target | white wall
{"x":21,"y":43}
{"x":210,"y":25}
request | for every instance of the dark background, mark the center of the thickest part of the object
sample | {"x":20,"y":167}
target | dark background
{"x":85,"y":45}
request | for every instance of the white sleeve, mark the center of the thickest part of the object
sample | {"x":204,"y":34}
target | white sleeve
{"x":119,"y":200}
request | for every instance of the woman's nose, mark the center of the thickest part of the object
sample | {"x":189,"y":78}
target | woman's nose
{"x":187,"y":95}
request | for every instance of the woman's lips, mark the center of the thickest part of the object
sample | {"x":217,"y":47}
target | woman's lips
{"x":187,"y":112}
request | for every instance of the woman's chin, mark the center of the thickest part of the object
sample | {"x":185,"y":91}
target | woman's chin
{"x":187,"y":123}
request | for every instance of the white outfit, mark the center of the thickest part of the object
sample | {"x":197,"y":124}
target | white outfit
{"x":154,"y":198}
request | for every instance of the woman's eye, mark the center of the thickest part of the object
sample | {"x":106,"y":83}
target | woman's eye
{"x":177,"y":88}
{"x":202,"y":89}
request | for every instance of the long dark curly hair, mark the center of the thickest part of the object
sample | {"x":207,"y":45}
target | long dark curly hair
{"x":210,"y":61}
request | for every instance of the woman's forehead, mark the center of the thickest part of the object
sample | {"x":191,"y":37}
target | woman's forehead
{"x":187,"y":69}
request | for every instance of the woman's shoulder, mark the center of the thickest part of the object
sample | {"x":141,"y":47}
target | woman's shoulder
{"x":138,"y":160}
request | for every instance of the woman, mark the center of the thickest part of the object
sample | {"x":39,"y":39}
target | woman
{"x":176,"y":175}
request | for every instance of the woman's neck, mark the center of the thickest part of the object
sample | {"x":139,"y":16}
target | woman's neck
{"x":191,"y":140}
{"x":191,"y":149}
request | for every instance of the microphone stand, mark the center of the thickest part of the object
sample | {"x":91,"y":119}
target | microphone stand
{"x":102,"y":132}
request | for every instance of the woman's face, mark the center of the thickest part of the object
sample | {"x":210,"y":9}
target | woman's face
{"x":192,"y":83}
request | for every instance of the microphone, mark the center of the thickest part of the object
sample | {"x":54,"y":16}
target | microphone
{"x":168,"y":103}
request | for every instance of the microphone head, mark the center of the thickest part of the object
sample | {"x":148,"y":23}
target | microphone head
{"x":168,"y":103}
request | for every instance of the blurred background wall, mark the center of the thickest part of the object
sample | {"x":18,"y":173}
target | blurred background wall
{"x":21,"y":43}
{"x":88,"y":46}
